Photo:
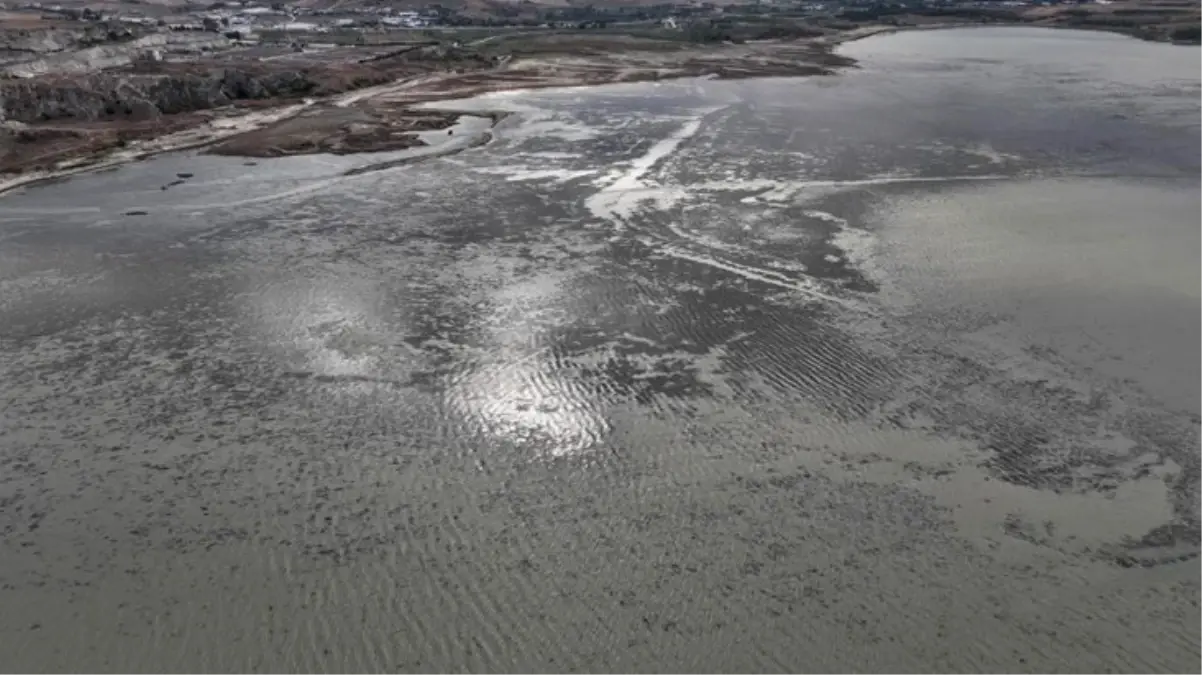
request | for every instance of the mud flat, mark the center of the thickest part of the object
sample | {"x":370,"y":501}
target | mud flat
{"x":339,"y":131}
{"x":861,"y":373}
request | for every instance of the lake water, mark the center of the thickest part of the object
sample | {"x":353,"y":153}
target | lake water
{"x":891,"y":370}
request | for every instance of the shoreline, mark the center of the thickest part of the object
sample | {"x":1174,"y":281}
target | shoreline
{"x":416,"y":91}
{"x":410,"y":95}
{"x":886,"y":29}
{"x":137,"y":151}
{"x":128,"y":155}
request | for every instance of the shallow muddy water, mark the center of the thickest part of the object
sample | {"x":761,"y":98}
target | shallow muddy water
{"x":892,"y":370}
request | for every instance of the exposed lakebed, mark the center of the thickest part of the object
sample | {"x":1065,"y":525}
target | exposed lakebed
{"x":891,"y":370}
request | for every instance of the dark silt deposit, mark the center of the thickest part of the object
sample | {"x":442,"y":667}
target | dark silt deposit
{"x":891,"y":370}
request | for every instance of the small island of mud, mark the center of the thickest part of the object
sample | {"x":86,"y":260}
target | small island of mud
{"x":339,"y":131}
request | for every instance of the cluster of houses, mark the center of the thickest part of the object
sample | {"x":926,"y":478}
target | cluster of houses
{"x":245,"y":18}
{"x":249,"y":18}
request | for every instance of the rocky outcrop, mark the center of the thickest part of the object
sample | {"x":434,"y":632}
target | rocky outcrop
{"x":131,"y":80}
{"x":85,"y":60}
{"x":57,"y":38}
{"x":239,"y":84}
{"x":39,"y":101}
{"x":107,"y":56}
{"x":138,"y":96}
{"x":37,"y":41}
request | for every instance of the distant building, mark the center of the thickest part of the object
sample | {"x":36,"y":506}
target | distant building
{"x":404,"y":19}
{"x":299,"y":26}
{"x":150,"y":56}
